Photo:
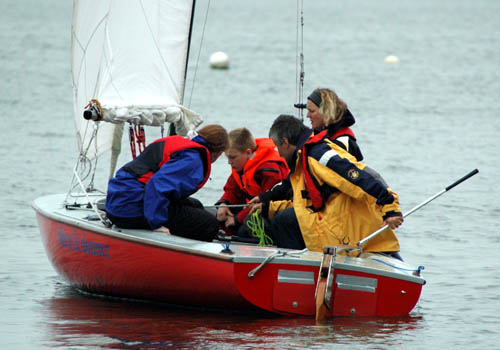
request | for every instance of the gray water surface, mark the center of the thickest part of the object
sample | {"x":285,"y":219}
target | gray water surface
{"x":422,"y":123}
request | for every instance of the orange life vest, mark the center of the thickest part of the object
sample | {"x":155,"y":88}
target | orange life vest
{"x":266,"y":152}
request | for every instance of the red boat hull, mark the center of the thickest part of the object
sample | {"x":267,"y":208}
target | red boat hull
{"x":391,"y":297}
{"x":106,"y":265}
{"x":114,"y":263}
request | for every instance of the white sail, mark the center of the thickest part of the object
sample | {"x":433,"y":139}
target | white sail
{"x":130,"y":55}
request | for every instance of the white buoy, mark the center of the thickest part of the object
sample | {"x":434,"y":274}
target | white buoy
{"x":392,"y":59}
{"x":219,"y":60}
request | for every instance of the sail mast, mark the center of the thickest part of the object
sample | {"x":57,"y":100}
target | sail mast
{"x":188,"y":51}
{"x":171,"y":129}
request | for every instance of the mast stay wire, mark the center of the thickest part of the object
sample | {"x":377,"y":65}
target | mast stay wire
{"x":299,"y":60}
{"x":199,"y":54}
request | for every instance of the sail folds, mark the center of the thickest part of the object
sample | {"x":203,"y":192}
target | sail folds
{"x":131,"y":56}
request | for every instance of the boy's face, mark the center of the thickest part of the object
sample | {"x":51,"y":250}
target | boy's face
{"x":238,"y":159}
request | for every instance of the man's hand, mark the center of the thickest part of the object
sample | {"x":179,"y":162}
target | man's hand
{"x":223,"y":212}
{"x":393,"y":221}
{"x":254,"y":200}
{"x":254,"y":207}
{"x":230,"y":221}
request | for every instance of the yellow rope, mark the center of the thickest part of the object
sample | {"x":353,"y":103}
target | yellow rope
{"x":256,"y":224}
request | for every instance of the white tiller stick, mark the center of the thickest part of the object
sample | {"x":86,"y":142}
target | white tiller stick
{"x":374,"y":234}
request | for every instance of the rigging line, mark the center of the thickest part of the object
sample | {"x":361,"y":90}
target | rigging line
{"x":299,"y":61}
{"x":199,"y":54}
{"x":297,"y":50}
{"x":85,"y":47}
{"x":91,"y":183}
{"x":83,"y":60}
{"x":257,"y":226}
{"x":102,"y":22}
{"x":107,"y":57}
{"x":86,"y":163}
{"x":297,"y":54}
{"x":78,"y":170}
{"x":105,"y":42}
{"x":156,"y":43}
{"x":87,"y":139}
{"x":72,"y":183}
{"x":93,"y":205}
{"x":85,"y":144}
{"x":301,"y":51}
{"x":420,"y":267}
{"x":86,"y":148}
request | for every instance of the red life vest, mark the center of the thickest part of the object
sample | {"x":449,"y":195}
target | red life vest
{"x":266,"y":152}
{"x":159,"y":152}
{"x":319,"y":194}
{"x":344,"y":131}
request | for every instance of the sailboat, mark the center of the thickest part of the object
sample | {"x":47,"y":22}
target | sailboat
{"x":129,"y":61}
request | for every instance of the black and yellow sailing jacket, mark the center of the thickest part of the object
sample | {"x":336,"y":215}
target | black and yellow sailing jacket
{"x":337,"y":201}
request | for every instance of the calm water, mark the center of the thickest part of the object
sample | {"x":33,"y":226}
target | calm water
{"x":422,"y":123}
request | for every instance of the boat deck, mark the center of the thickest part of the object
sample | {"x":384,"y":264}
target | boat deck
{"x":82,"y":216}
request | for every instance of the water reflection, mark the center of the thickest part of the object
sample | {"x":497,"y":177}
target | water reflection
{"x":77,"y":321}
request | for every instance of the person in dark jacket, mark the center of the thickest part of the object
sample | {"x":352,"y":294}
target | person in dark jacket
{"x":330,"y":118}
{"x":328,"y":113}
{"x":335,"y":200}
{"x":152,"y":191}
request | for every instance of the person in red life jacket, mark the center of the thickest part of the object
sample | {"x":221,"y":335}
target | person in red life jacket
{"x":256,"y":166}
{"x":152,"y":191}
{"x":335,"y":200}
{"x":330,"y":117}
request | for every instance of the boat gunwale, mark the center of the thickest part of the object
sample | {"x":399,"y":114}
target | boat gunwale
{"x":289,"y":257}
{"x":80,"y":223}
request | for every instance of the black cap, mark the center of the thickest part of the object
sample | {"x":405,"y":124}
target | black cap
{"x":315,"y":97}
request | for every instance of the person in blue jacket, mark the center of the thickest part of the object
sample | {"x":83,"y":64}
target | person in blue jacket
{"x":152,"y":191}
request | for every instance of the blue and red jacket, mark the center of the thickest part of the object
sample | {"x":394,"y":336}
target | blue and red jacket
{"x":169,"y":169}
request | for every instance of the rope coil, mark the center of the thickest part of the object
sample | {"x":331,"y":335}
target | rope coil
{"x":256,"y":224}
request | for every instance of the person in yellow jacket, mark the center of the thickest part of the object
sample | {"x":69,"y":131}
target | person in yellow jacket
{"x":336,"y":199}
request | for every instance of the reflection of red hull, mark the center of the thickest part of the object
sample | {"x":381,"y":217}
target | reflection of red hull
{"x":152,"y":266}
{"x":78,"y":322}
